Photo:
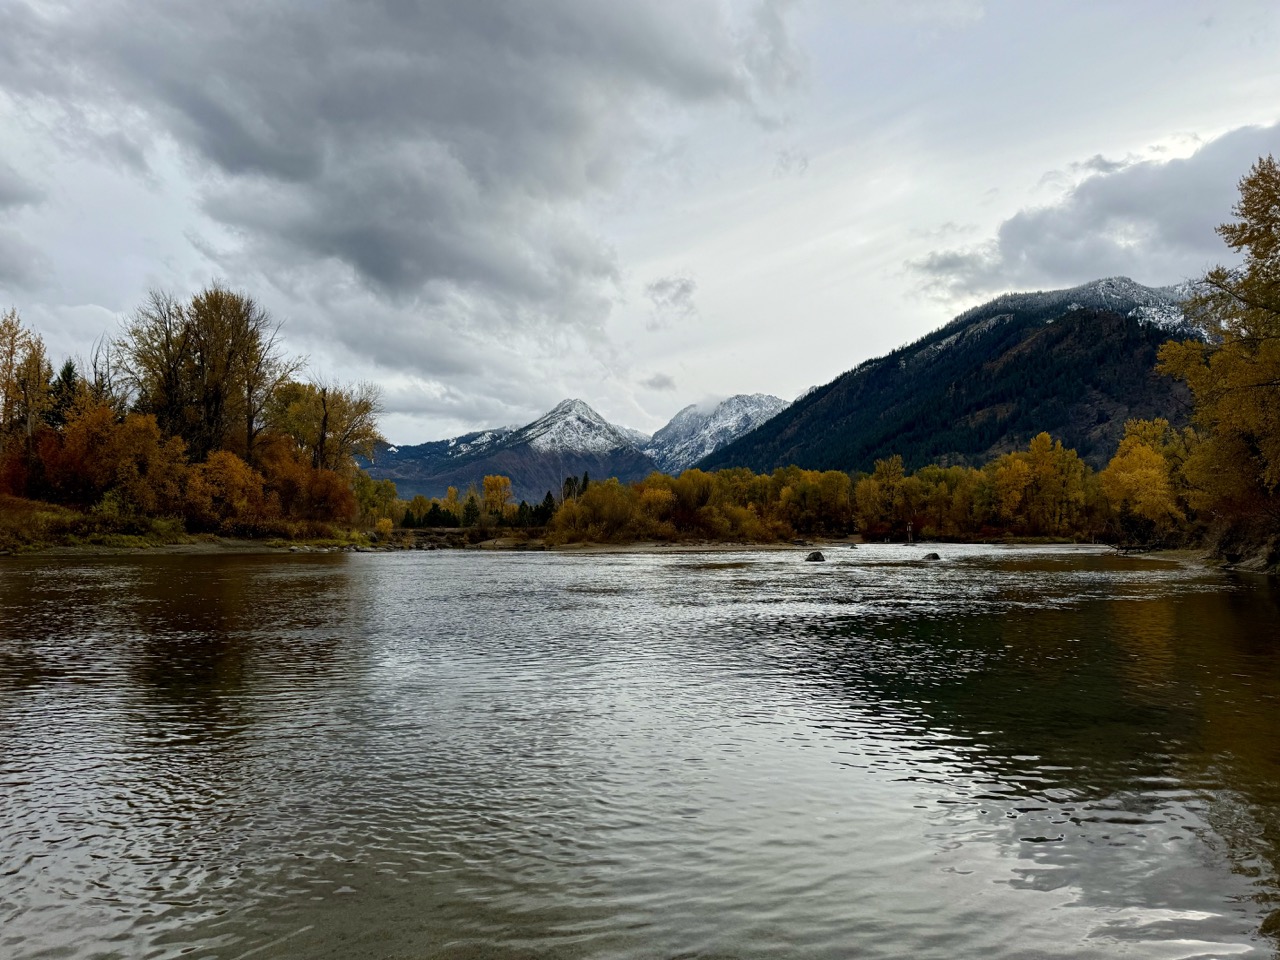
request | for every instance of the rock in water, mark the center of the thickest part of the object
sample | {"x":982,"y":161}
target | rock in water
{"x":932,"y":556}
{"x":815,"y":557}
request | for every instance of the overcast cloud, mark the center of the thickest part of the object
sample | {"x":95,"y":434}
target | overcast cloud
{"x":486,"y":207}
{"x":1152,"y":220}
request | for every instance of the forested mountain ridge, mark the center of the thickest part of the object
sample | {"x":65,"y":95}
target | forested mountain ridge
{"x":1077,"y":363}
{"x":409,"y":460}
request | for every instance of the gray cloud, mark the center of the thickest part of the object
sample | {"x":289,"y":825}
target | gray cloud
{"x":1100,"y":164}
{"x":1152,"y":220}
{"x":672,"y":300}
{"x":659,"y":381}
{"x":437,"y":153}
{"x":15,"y":191}
{"x":21,"y":264}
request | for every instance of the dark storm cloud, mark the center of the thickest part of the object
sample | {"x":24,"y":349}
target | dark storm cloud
{"x":1152,"y":220}
{"x":430,"y":148}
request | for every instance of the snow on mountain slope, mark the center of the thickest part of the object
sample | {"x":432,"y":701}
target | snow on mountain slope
{"x":638,"y":438}
{"x":1155,"y":306}
{"x":693,"y":434}
{"x":567,"y":441}
{"x":573,"y":427}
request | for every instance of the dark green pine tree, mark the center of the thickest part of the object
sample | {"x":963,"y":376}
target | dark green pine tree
{"x":63,"y":390}
{"x":471,"y":512}
{"x":546,"y":510}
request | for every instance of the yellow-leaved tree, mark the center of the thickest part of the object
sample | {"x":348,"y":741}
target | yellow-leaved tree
{"x":1233,"y":473}
{"x":1142,"y":481}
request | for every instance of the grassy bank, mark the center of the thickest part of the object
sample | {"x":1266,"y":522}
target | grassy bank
{"x":29,"y":526}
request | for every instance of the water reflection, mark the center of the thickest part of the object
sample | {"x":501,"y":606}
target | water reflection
{"x":1010,"y":753}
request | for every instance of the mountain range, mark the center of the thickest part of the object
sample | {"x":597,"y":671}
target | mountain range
{"x":570,"y":440}
{"x":1077,"y":363}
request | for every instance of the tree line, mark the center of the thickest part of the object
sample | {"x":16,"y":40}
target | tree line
{"x":1045,"y":490}
{"x":192,"y":411}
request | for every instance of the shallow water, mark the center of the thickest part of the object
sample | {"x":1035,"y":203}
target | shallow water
{"x":1015,"y":752}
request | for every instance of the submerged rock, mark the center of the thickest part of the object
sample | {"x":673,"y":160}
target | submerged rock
{"x":815,"y":557}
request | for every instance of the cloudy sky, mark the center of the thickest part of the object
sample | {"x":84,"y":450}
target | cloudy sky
{"x":488,"y":206}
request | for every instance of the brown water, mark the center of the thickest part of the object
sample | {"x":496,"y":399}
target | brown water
{"x":1011,"y":753}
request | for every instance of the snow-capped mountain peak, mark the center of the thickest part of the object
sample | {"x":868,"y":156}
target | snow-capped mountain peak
{"x":572,"y":426}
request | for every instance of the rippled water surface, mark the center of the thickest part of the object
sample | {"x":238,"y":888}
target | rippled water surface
{"x":1015,"y":752}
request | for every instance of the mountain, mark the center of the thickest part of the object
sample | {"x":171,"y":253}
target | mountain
{"x":405,"y":463}
{"x":693,"y":434}
{"x":1076,"y":362}
{"x":568,"y":441}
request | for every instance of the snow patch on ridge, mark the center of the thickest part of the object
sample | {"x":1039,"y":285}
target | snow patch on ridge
{"x":693,"y":434}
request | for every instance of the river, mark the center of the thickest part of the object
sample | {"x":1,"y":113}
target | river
{"x":1012,"y":752}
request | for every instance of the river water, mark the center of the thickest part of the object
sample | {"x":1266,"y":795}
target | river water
{"x":1014,"y":752}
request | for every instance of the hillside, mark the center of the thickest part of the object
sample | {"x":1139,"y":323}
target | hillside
{"x":1076,"y":363}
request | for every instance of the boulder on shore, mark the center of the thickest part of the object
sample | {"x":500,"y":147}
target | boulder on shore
{"x":815,"y":557}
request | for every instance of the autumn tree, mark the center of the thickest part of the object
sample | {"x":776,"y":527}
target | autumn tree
{"x":239,"y":366}
{"x":25,"y":373}
{"x":25,"y":399}
{"x":497,"y":494}
{"x":332,"y":423}
{"x":1139,"y":481}
{"x":155,"y":357}
{"x":207,"y":368}
{"x":879,"y":499}
{"x":1234,"y":373}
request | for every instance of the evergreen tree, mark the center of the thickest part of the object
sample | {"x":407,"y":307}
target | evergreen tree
{"x":543,"y":513}
{"x":64,"y":389}
{"x":471,"y":511}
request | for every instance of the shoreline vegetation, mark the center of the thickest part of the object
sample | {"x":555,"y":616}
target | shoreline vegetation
{"x":192,"y":428}
{"x":208,"y":545}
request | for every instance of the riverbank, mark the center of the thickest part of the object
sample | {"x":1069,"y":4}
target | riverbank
{"x":229,"y":545}
{"x":464,"y":540}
